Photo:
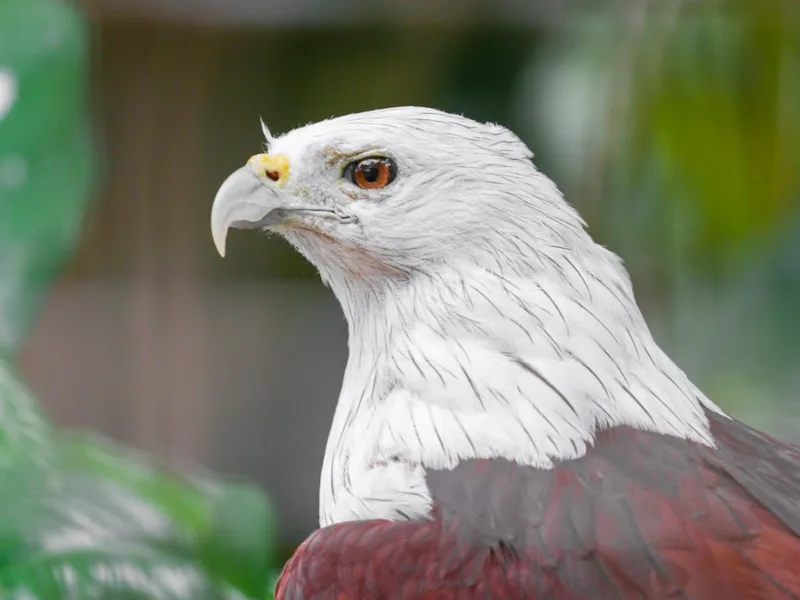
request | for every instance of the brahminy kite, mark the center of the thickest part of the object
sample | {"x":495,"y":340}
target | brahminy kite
{"x":507,"y":426}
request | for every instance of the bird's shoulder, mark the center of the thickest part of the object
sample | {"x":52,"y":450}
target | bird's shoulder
{"x":640,"y":515}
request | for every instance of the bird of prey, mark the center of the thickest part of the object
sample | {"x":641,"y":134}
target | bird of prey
{"x":507,"y":427}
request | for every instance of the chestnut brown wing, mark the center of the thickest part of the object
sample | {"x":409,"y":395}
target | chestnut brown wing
{"x":640,"y":516}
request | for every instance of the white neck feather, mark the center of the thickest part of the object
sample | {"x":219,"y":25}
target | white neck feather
{"x":469,"y":362}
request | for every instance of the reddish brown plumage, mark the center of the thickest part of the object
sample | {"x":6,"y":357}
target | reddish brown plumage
{"x":641,"y":515}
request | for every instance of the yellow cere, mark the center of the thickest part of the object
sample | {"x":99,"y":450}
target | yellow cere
{"x":272,"y":166}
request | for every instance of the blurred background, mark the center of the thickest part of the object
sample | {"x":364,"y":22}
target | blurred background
{"x":674,"y":127}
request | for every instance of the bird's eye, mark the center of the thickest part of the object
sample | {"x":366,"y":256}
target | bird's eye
{"x":371,"y":173}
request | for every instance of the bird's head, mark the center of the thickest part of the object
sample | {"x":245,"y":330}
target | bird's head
{"x":397,"y":191}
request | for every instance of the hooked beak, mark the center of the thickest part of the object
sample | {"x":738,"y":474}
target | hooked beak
{"x":249,"y":198}
{"x":252,"y":198}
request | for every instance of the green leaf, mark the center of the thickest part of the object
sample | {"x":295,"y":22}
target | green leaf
{"x":25,"y":436}
{"x":98,"y":519}
{"x":45,"y":153}
{"x":116,"y":571}
{"x":231,"y":525}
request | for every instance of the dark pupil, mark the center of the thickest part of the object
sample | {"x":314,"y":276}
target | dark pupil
{"x":371,"y":171}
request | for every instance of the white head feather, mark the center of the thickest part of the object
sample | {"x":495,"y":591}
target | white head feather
{"x":483,"y":319}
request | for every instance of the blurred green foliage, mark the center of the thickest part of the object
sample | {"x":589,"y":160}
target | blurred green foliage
{"x":721,"y":108}
{"x":45,"y":158}
{"x":81,"y":517}
{"x":687,"y":164}
{"x":716,"y":131}
{"x":93,"y":520}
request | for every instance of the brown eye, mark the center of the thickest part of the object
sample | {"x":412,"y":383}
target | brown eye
{"x":371,"y":173}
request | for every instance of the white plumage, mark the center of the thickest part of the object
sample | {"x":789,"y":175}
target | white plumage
{"x":483,"y":320}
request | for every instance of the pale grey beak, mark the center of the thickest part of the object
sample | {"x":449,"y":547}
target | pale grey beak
{"x":244,"y":201}
{"x":254,"y":197}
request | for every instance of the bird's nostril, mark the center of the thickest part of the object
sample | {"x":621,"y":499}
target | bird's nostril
{"x":273,"y":175}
